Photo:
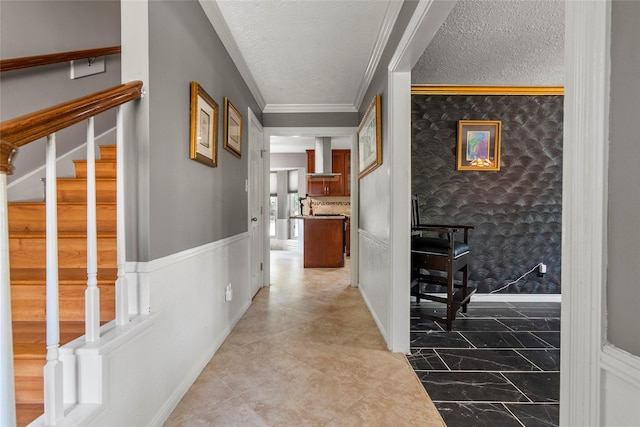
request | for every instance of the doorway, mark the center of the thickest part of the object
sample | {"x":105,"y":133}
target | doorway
{"x":286,"y":174}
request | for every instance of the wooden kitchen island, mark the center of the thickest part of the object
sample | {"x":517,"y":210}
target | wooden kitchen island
{"x":324,"y":241}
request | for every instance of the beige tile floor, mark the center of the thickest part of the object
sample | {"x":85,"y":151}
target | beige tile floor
{"x":306,"y":353}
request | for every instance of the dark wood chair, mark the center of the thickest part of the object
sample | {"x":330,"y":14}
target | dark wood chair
{"x":437,"y":256}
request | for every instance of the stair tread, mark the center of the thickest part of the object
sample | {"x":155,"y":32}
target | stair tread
{"x":30,"y":337}
{"x":29,"y":351}
{"x":66,"y":275}
{"x":72,"y":179}
{"x":60,"y":203}
{"x":105,"y":161}
{"x":108,"y":150}
{"x":27,"y":234}
{"x":27,"y":412}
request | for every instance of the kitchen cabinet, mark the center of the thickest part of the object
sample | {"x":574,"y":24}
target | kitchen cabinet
{"x":324,"y":242}
{"x":341,"y":163}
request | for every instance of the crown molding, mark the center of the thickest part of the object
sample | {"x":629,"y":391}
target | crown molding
{"x":309,"y":108}
{"x":486,"y":90}
{"x":220,"y":26}
{"x":391,"y":15}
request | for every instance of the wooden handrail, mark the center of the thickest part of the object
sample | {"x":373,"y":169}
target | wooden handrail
{"x":54,"y":58}
{"x":21,"y":130}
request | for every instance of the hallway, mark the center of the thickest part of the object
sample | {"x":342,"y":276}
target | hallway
{"x":307,"y":352}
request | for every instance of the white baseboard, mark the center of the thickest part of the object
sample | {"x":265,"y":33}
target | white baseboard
{"x":171,"y":404}
{"x":509,"y":297}
{"x":517,"y":297}
{"x":374,"y":314}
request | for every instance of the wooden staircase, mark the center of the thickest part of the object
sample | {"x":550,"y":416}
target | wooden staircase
{"x":27,"y":237}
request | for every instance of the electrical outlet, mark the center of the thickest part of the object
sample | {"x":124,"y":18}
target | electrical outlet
{"x":542,"y":269}
{"x":228,"y":293}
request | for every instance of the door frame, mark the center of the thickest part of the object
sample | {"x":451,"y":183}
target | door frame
{"x":584,"y":207}
{"x":587,"y":40}
{"x":312,"y":131}
{"x":425,"y":22}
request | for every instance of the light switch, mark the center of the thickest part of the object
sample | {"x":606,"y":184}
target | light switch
{"x":87,"y":67}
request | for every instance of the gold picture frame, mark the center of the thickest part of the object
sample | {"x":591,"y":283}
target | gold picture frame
{"x":203,"y":145}
{"x":478,"y":147}
{"x":232,"y":129}
{"x":370,"y":139}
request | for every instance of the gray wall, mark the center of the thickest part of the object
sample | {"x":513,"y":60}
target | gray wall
{"x":623,"y":295}
{"x":517,"y":210}
{"x":310,"y":119}
{"x":191,"y":204}
{"x":288,"y":160}
{"x":30,"y":28}
{"x":374,"y":188}
{"x":374,"y":195}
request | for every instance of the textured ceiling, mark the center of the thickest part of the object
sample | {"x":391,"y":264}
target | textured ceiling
{"x":308,"y":55}
{"x":319,"y":55}
{"x":482,"y":42}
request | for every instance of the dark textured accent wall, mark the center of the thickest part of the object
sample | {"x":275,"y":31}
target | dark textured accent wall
{"x":516,"y":211}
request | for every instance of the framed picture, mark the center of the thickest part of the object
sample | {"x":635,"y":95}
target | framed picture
{"x":370,"y":139}
{"x":203,"y":145}
{"x":232,"y":129}
{"x":479,"y":145}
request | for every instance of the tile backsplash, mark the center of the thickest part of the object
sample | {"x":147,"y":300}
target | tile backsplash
{"x":328,"y":205}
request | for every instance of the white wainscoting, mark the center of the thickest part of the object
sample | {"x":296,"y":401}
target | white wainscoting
{"x":620,"y":387}
{"x":137,"y":374}
{"x":374,"y":280}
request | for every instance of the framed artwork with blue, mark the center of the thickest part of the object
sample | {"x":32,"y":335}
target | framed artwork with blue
{"x":478,"y":146}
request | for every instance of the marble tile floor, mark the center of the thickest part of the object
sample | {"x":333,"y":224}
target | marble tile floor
{"x":499,"y":366}
{"x":306,"y":353}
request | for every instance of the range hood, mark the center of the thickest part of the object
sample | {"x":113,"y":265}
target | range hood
{"x":323,"y":166}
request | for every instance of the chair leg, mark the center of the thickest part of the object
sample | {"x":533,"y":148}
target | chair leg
{"x":450,"y":291}
{"x":465,"y":272}
{"x":417,"y":274}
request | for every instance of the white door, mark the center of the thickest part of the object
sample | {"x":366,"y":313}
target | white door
{"x":256,"y":209}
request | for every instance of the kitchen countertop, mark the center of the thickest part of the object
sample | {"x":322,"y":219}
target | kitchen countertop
{"x":332,"y":216}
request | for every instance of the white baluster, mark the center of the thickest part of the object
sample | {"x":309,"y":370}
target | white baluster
{"x":7,"y":390}
{"x":92,"y":293}
{"x":53,"y":408}
{"x":122,"y":287}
